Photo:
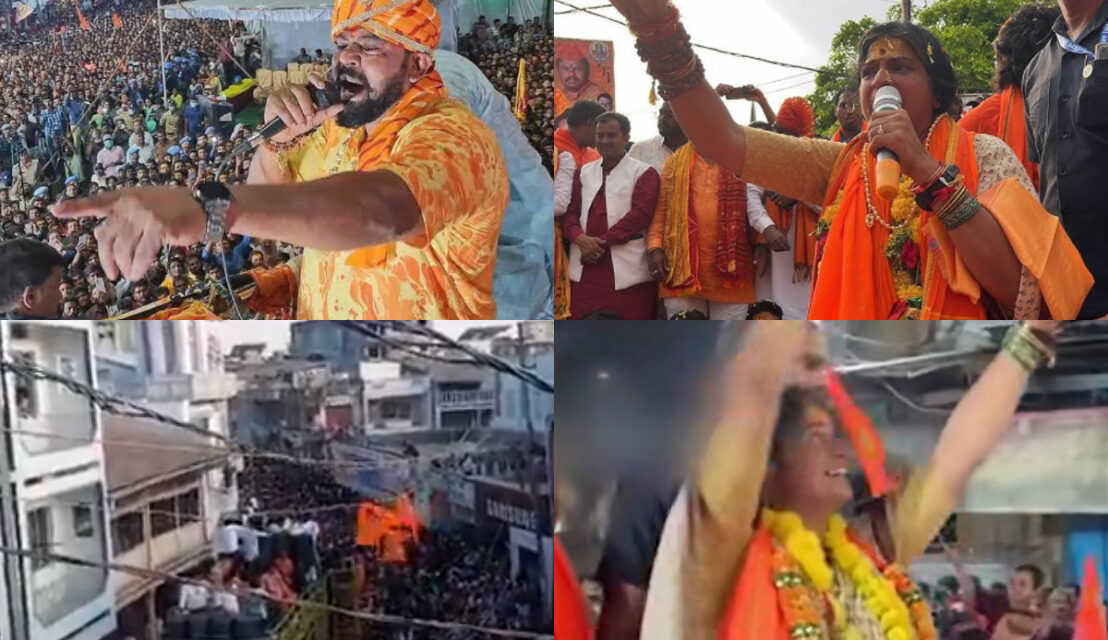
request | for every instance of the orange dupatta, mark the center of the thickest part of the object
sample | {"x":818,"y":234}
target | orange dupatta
{"x":804,"y":239}
{"x":853,"y":279}
{"x":420,"y":99}
{"x":1013,"y":129}
{"x":852,"y":253}
{"x":563,"y":141}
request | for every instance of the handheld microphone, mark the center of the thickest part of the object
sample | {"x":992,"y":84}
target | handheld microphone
{"x":888,"y":165}
{"x":321,"y":98}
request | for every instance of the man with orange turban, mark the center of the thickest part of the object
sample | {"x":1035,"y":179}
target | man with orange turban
{"x":573,"y":81}
{"x":396,"y":191}
{"x":786,"y":273}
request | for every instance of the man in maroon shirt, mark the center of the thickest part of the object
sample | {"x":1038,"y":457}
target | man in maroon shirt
{"x":616,"y":197}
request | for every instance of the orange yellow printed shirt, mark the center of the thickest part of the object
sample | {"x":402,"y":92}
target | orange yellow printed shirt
{"x":452,"y":164}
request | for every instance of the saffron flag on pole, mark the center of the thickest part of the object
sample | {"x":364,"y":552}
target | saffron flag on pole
{"x":117,"y":22}
{"x":1090,"y":623}
{"x":85,"y":26}
{"x":863,"y":435}
{"x":521,"y":91}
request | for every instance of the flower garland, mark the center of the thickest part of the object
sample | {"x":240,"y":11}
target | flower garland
{"x":902,"y":249}
{"x":892,"y":598}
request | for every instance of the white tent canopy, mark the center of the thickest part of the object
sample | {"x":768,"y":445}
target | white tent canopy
{"x":286,"y":26}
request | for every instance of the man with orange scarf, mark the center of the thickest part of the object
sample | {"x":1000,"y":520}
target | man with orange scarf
{"x":754,"y":548}
{"x":961,"y":237}
{"x":785,"y":275}
{"x":1002,"y":114}
{"x":396,"y":191}
{"x":573,"y":149}
{"x":699,"y":245}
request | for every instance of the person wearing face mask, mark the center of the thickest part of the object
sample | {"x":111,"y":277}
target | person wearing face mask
{"x":110,"y":157}
{"x":963,"y":237}
{"x":194,"y":117}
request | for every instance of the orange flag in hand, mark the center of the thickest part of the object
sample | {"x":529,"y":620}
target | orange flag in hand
{"x":571,"y":614}
{"x":117,"y":22}
{"x":1090,"y":621}
{"x":85,"y":26}
{"x":863,"y":435}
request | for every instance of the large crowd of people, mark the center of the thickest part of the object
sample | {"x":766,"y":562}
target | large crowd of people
{"x":716,"y":220}
{"x":83,"y":114}
{"x":497,"y":49}
{"x":459,"y":575}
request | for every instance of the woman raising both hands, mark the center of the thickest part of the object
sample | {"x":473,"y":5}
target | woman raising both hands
{"x":964,"y":238}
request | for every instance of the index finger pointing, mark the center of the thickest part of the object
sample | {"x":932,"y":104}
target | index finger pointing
{"x":97,"y":206}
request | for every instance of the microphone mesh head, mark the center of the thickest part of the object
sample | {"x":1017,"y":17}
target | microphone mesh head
{"x":887,"y":98}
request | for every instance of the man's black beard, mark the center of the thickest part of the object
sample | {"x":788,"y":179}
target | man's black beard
{"x":361,"y":112}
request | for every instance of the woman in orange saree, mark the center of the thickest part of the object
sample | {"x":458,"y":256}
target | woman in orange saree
{"x":963,"y":238}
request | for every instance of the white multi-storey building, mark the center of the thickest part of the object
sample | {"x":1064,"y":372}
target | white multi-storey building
{"x":53,"y":495}
{"x":166,"y":502}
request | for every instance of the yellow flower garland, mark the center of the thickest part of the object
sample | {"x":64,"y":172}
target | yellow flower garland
{"x":879,"y":593}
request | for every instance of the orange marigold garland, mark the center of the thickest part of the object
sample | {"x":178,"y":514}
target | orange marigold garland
{"x":798,"y":602}
{"x":910,"y":593}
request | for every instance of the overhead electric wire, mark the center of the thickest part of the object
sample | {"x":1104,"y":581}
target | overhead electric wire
{"x":305,"y":604}
{"x":735,"y":54}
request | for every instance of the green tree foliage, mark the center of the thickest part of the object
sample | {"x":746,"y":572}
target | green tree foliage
{"x":838,"y":72}
{"x":967,"y":29}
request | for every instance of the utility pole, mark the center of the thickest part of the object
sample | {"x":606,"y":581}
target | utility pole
{"x":906,"y":10}
{"x":11,"y":571}
{"x":537,"y":609}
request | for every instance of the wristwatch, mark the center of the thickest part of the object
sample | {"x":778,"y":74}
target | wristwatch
{"x":215,"y":198}
{"x":927,"y":197}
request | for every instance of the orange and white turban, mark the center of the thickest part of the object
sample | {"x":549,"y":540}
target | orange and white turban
{"x":412,"y":24}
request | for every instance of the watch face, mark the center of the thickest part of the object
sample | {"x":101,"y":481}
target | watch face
{"x":213,"y":191}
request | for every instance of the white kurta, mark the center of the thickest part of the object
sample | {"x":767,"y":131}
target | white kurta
{"x":777,"y":284}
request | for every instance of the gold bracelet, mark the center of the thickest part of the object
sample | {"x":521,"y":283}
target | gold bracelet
{"x":1022,"y":345}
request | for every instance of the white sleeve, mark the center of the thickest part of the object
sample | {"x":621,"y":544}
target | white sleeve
{"x":756,"y":213}
{"x":563,"y":183}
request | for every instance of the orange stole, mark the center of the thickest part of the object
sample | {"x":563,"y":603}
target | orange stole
{"x":419,"y":100}
{"x":804,"y":240}
{"x":853,"y":279}
{"x":273,"y":289}
{"x":563,"y":141}
{"x":753,"y":612}
{"x":192,"y":310}
{"x":1013,"y":129}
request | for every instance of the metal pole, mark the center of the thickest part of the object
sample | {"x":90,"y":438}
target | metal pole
{"x":9,"y":513}
{"x":906,"y":10}
{"x":161,"y":46}
{"x":537,"y":608}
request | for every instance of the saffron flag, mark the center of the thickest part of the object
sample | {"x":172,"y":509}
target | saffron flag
{"x":117,"y":22}
{"x":85,"y":26}
{"x":407,"y":515}
{"x":521,"y":91}
{"x":863,"y":436}
{"x":571,"y":613}
{"x":1090,"y":623}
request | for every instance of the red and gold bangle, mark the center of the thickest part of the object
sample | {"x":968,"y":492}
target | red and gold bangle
{"x":658,"y":29}
{"x":281,"y":147}
{"x":923,"y":186}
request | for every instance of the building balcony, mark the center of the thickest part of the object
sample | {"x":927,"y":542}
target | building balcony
{"x":170,"y":552}
{"x":396,"y":388}
{"x":466,"y":400}
{"x":202,"y":387}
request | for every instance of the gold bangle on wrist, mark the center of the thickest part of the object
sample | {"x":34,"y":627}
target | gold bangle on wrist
{"x":1022,"y":345}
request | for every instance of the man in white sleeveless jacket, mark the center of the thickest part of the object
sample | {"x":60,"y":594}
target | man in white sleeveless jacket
{"x":612,"y":205}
